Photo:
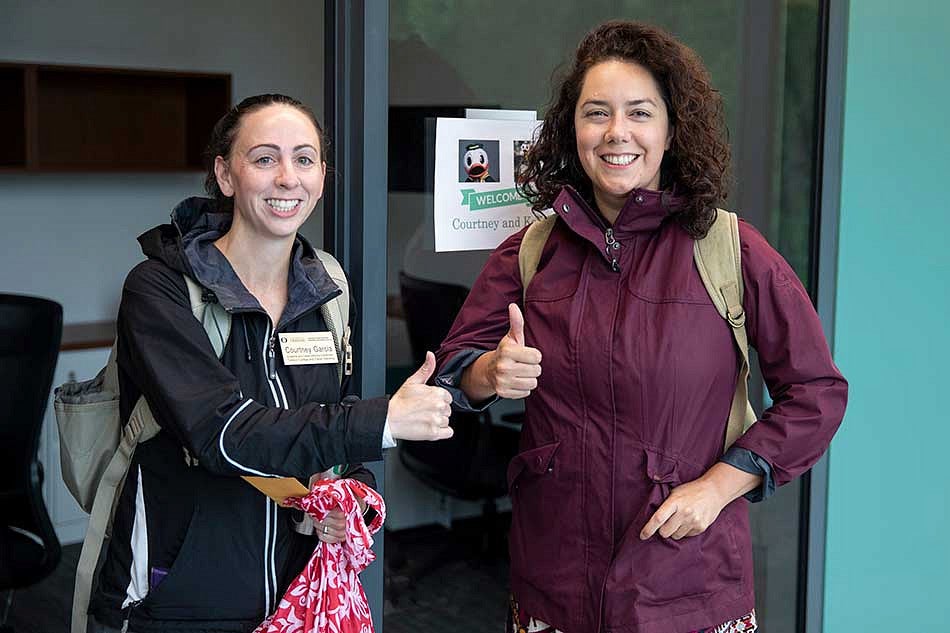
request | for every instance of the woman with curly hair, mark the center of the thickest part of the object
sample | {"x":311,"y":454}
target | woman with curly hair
{"x":627,"y":516}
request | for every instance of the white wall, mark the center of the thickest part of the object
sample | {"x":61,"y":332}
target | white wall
{"x":72,"y":237}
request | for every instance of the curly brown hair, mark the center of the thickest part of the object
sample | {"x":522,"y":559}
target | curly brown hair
{"x":697,"y":164}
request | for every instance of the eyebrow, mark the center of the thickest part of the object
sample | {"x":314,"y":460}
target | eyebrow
{"x":277,"y":148}
{"x":633,"y":102}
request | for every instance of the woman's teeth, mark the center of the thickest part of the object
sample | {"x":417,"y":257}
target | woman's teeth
{"x":624,"y":159}
{"x":283,"y":205}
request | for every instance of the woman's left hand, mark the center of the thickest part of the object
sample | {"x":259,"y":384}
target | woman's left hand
{"x":332,"y":529}
{"x":335,"y":524}
{"x":689,"y":510}
{"x":692,"y":507}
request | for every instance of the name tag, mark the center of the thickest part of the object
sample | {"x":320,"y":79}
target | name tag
{"x":308,"y":348}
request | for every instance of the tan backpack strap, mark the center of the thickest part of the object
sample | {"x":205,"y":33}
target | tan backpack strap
{"x":336,"y":313}
{"x":719,"y":261}
{"x":141,"y":426}
{"x":212,"y":316}
{"x":335,"y":271}
{"x":529,"y":253}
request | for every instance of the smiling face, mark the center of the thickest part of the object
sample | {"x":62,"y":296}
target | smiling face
{"x":622,"y":130}
{"x":275,"y":171}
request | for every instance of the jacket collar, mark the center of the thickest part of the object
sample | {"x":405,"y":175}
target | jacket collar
{"x":187,"y":246}
{"x":643,"y":212}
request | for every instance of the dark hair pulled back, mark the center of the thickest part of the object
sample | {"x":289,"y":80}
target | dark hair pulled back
{"x":226,"y":130}
{"x":697,"y":163}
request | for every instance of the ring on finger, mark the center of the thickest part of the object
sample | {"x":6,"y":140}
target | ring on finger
{"x":325,"y":529}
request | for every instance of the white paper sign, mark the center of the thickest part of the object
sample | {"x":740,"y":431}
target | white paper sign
{"x":476,"y":203}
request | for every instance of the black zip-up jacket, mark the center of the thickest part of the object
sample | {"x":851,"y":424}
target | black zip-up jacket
{"x":195,"y":548}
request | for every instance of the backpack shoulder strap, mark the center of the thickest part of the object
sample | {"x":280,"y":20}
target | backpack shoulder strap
{"x":335,"y":270}
{"x":529,"y":253}
{"x":719,"y":262}
{"x":336,"y":313}
{"x":213,"y":317}
{"x":140,"y":427}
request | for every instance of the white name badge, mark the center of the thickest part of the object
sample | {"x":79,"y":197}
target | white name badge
{"x":308,"y":348}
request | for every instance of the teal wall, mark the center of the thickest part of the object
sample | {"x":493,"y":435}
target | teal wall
{"x":888,"y":547}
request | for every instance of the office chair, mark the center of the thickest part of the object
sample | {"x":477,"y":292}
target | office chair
{"x":30,"y":331}
{"x":472,"y":464}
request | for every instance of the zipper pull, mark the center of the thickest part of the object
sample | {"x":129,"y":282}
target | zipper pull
{"x":271,"y":358}
{"x":189,"y":460}
{"x":127,"y":613}
{"x":611,"y":249}
{"x":347,"y":353}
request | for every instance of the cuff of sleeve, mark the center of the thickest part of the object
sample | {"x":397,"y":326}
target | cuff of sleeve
{"x":747,"y":461}
{"x":450,"y":376}
{"x":365,"y":443}
{"x":388,"y":441}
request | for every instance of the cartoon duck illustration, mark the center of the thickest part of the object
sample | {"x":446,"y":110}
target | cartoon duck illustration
{"x":475,"y":162}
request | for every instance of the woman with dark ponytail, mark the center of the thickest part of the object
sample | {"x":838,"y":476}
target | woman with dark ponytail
{"x":194,"y":547}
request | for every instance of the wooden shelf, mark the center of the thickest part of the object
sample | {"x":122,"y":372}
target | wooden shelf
{"x":91,"y":335}
{"x":77,"y":118}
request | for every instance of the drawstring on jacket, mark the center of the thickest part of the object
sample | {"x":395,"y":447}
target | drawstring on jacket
{"x":247,"y":343}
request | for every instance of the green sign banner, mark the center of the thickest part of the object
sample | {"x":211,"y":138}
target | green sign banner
{"x":478,"y":200}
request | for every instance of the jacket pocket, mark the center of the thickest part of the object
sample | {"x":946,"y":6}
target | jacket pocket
{"x":210,"y":578}
{"x":542,"y":525}
{"x":535,"y":461}
{"x":722,"y":561}
{"x":670,"y":569}
{"x":651,"y":578}
{"x":662,"y":470}
{"x":166,"y":590}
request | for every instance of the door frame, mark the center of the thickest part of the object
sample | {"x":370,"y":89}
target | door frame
{"x":356,"y":108}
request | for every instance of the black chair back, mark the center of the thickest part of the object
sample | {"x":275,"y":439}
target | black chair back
{"x":430,"y":308}
{"x":30,"y":332}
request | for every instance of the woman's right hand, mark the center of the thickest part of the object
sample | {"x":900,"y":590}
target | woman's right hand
{"x":510,"y":371}
{"x":418,"y":411}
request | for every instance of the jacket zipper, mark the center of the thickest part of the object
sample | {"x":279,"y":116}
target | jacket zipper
{"x":611,"y":248}
{"x":347,"y":354}
{"x":272,"y":357}
{"x":270,"y":544}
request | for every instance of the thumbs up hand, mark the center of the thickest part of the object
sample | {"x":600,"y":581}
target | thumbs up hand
{"x":514,"y":368}
{"x":418,"y":411}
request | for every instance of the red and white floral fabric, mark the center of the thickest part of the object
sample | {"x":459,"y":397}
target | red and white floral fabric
{"x":327,"y":596}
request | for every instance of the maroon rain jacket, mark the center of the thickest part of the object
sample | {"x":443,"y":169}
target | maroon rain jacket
{"x":638,"y":374}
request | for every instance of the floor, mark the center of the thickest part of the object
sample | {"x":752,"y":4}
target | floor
{"x":45,"y":607}
{"x":437,"y":580}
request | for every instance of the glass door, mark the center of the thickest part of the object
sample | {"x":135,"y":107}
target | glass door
{"x":451,"y":55}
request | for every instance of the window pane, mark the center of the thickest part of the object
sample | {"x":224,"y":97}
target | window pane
{"x":499,"y":54}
